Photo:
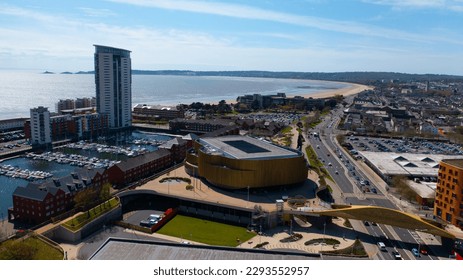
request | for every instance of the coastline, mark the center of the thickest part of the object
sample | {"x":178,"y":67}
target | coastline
{"x":350,"y":90}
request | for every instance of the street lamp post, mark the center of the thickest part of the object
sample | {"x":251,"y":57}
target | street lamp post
{"x":248,"y":197}
{"x":324,"y":228}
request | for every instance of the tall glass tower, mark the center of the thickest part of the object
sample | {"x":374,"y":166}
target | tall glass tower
{"x":113,"y":80}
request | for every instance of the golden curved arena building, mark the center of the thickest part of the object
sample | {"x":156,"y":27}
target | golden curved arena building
{"x":237,"y":162}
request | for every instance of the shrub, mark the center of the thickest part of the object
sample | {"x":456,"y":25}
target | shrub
{"x":292,"y":238}
{"x":260,"y":245}
{"x":328,"y":241}
{"x":347,"y":223}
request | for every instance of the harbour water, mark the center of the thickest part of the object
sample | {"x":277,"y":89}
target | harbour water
{"x":63,"y":161}
{"x":21,"y":91}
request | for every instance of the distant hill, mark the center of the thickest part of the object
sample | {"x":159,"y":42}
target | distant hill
{"x":355,"y":77}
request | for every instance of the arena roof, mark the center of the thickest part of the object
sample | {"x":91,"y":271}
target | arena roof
{"x":126,"y":249}
{"x":244,"y":147}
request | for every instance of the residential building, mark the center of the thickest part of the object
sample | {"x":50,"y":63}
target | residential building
{"x":39,"y":202}
{"x":139,"y":167}
{"x":178,"y":147}
{"x":113,"y":80}
{"x":65,"y":104}
{"x":40,"y":126}
{"x":449,"y":192}
{"x":73,"y":126}
{"x":85,"y":102}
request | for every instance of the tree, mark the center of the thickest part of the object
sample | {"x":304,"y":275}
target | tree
{"x":85,"y":198}
{"x":105,"y":192}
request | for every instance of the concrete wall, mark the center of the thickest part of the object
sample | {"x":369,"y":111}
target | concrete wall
{"x":63,"y":234}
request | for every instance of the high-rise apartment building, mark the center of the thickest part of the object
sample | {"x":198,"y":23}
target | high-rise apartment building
{"x":448,"y":204}
{"x":40,"y":126}
{"x":113,"y":79}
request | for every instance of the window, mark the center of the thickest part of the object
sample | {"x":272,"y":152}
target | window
{"x":448,"y":217}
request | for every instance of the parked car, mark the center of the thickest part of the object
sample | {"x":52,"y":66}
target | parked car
{"x":150,"y":221}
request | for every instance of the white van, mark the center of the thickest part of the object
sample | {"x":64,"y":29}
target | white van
{"x":382,"y":246}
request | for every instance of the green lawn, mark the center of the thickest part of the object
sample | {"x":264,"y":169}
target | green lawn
{"x":31,"y":248}
{"x":205,"y":231}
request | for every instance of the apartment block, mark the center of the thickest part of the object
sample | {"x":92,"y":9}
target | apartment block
{"x":448,"y":204}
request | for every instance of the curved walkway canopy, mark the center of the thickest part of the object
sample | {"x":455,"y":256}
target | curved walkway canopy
{"x":386,"y":216}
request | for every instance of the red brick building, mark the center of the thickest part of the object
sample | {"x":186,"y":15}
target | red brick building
{"x":139,"y":167}
{"x":178,"y":147}
{"x":37,"y":203}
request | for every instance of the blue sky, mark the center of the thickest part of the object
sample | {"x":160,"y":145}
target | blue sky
{"x":412,"y":36}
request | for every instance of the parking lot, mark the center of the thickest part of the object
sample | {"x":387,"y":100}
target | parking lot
{"x":375,"y":144}
{"x":136,"y":217}
{"x":416,"y":146}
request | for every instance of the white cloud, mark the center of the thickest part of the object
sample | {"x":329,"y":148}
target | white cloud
{"x":454,"y":5}
{"x":252,"y":13}
{"x":68,"y":46}
{"x":91,"y":12}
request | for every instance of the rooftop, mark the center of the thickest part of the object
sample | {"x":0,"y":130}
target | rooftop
{"x":126,"y":249}
{"x":455,"y":162}
{"x":243,"y":147}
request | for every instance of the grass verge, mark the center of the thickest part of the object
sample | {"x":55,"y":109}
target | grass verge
{"x":207,"y":232}
{"x":84,"y":218}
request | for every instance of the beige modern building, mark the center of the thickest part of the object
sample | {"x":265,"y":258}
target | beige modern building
{"x":239,"y":162}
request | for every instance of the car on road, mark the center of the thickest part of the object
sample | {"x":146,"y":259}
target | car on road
{"x":396,"y":255}
{"x":329,"y":164}
{"x":423,"y":250}
{"x":415,"y":252}
{"x":336,"y":172}
{"x":382,"y":246}
{"x":373,"y":190}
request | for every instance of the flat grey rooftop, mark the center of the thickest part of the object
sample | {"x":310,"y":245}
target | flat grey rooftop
{"x":125,"y":249}
{"x":243,"y":147}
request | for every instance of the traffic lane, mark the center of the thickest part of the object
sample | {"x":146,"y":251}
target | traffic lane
{"x":341,"y":180}
{"x":379,"y":236}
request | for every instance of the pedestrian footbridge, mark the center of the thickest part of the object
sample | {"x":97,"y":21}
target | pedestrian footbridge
{"x":380,"y":215}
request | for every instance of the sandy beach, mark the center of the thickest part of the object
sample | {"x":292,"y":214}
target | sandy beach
{"x":349,"y":90}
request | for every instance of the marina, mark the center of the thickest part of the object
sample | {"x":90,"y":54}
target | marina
{"x":16,"y":172}
{"x":72,"y":159}
{"x":102,"y":148}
